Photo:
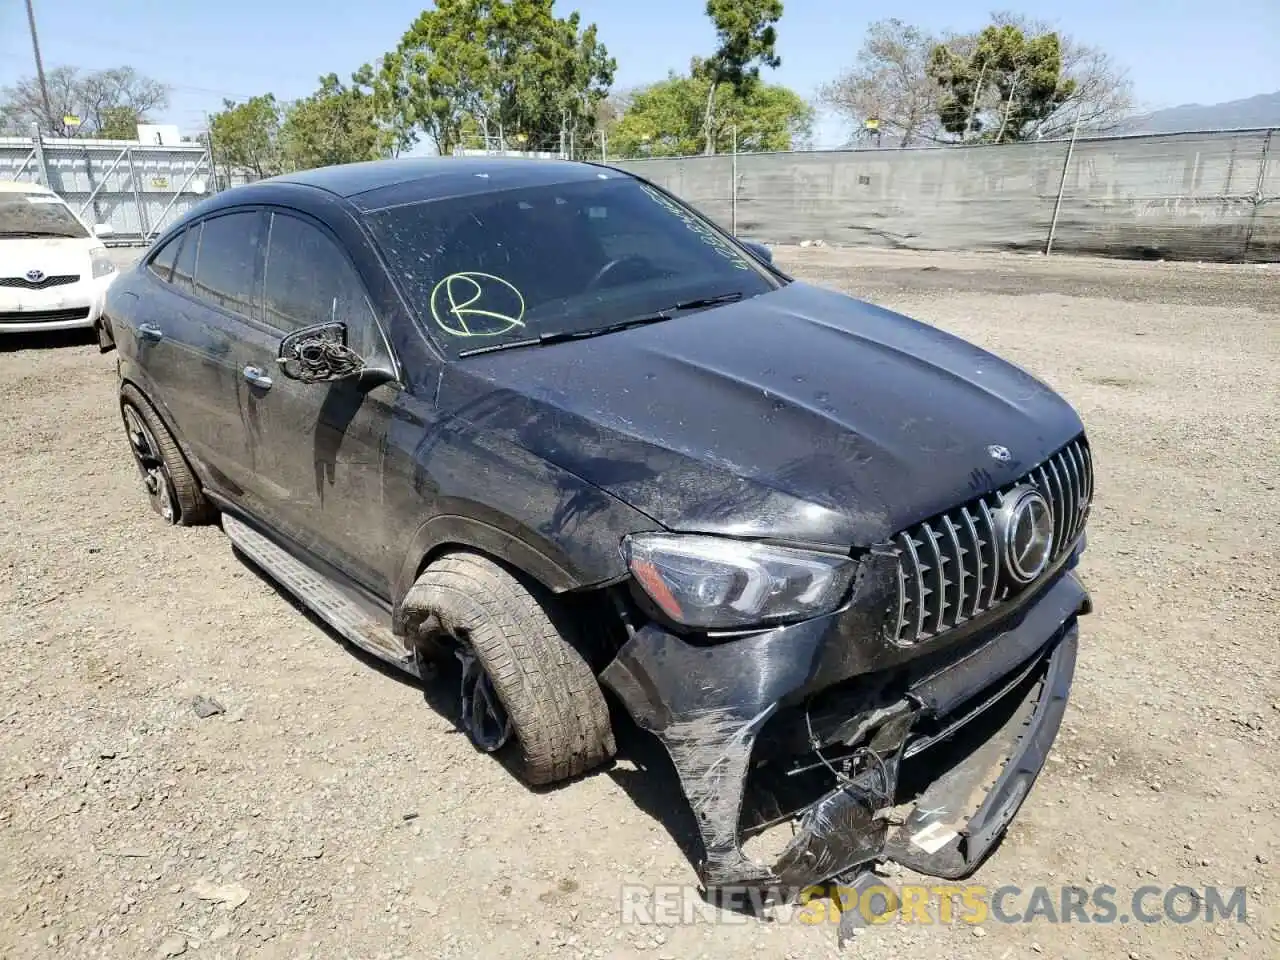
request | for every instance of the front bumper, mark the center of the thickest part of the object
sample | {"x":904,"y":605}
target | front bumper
{"x":944,"y":748}
{"x":67,"y":307}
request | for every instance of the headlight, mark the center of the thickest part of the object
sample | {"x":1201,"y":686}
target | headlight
{"x":716,"y":583}
{"x":102,"y":265}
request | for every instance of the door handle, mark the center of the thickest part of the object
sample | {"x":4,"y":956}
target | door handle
{"x":149,"y":331}
{"x":256,"y":377}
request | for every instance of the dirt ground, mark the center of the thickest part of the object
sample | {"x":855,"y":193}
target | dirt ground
{"x":330,"y":812}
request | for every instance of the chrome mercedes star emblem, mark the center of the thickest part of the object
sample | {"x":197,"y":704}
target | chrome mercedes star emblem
{"x":1024,"y":524}
{"x":35,"y":276}
{"x":1000,"y":453}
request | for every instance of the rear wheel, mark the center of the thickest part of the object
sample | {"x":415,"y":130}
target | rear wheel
{"x":171,"y":487}
{"x":525,"y":686}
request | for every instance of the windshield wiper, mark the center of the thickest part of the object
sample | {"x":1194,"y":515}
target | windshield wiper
{"x":16,"y":234}
{"x":561,"y":336}
{"x":706,"y":302}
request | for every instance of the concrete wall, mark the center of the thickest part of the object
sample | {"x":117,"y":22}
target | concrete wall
{"x":1209,"y":196}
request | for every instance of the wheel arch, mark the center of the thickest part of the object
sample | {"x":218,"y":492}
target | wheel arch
{"x":161,"y":411}
{"x":158,"y":406}
{"x":446,"y":533}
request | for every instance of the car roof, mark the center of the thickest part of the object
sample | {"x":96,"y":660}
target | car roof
{"x":22,"y":186}
{"x":382,"y":183}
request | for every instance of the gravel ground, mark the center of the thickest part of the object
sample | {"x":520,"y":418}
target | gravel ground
{"x":329,"y":811}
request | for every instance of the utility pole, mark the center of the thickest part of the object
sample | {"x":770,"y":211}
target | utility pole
{"x":733,"y":174}
{"x":1062,"y":184}
{"x":973,"y":107}
{"x":35,"y":46}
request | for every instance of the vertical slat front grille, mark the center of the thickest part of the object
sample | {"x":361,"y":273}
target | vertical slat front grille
{"x":950,"y":568}
{"x":936,"y":578}
{"x":979,"y":564}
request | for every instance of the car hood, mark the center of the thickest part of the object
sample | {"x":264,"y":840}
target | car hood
{"x":801,"y":414}
{"x":53,"y":256}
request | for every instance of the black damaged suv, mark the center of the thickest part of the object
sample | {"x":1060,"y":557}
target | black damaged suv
{"x":546,"y":424}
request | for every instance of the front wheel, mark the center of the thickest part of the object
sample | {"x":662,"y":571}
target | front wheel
{"x":171,"y":487}
{"x":524,"y":684}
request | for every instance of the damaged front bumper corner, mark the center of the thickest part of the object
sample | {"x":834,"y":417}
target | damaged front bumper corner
{"x":930,"y":778}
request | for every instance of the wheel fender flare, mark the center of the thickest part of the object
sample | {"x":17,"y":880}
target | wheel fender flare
{"x":162,"y":411}
{"x":458,"y":531}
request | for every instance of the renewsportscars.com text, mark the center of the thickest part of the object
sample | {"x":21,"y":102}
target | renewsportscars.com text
{"x":941,"y":903}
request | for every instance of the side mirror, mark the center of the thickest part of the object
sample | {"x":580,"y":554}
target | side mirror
{"x":104,"y":230}
{"x":759,"y":250}
{"x":319,"y":354}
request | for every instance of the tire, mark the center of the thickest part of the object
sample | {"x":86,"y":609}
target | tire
{"x":557,"y":712}
{"x":171,"y":486}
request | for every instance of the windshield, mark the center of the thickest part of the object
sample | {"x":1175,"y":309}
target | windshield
{"x":37,"y":215}
{"x":516,"y":265}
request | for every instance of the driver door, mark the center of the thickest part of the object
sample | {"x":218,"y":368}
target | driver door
{"x":319,"y":446}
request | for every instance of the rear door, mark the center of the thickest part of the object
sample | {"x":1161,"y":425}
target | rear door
{"x":184,"y":339}
{"x":319,"y":447}
{"x":217,"y":273}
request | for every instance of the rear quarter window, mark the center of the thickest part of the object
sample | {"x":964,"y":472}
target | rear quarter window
{"x":184,"y":269}
{"x":162,"y":263}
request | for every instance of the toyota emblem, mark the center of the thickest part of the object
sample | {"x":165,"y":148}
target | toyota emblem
{"x":1000,"y":453}
{"x":35,"y":276}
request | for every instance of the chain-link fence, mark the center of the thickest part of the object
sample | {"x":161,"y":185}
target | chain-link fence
{"x":1201,"y":196}
{"x":135,"y":189}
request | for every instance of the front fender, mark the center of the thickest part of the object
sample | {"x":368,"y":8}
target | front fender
{"x":452,"y":483}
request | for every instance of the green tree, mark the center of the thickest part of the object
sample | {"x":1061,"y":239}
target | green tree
{"x":890,"y":79}
{"x":1102,"y":93}
{"x":336,"y":124}
{"x":394,"y":131}
{"x":246,"y":136}
{"x":667,"y":119}
{"x":118,"y":123}
{"x":1024,"y":74}
{"x":746,"y":38}
{"x":509,"y":69}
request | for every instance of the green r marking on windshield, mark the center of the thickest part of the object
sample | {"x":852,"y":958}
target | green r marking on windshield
{"x":453,"y":307}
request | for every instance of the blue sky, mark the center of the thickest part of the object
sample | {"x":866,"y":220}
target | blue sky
{"x":1178,"y":51}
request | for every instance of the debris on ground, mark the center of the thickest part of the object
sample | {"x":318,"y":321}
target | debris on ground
{"x":206,"y":707}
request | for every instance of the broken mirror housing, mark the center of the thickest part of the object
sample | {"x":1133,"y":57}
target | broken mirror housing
{"x":715,"y":583}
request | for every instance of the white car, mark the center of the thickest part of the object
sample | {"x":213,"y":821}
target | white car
{"x":54,"y":269}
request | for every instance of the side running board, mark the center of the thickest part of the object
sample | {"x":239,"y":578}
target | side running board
{"x":358,"y":621}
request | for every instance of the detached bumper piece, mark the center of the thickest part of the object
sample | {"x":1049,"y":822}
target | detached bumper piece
{"x":929,"y":778}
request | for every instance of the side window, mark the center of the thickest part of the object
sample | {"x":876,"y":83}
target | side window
{"x":162,"y":263}
{"x":184,"y":271}
{"x":309,"y":280}
{"x":224,"y":269}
